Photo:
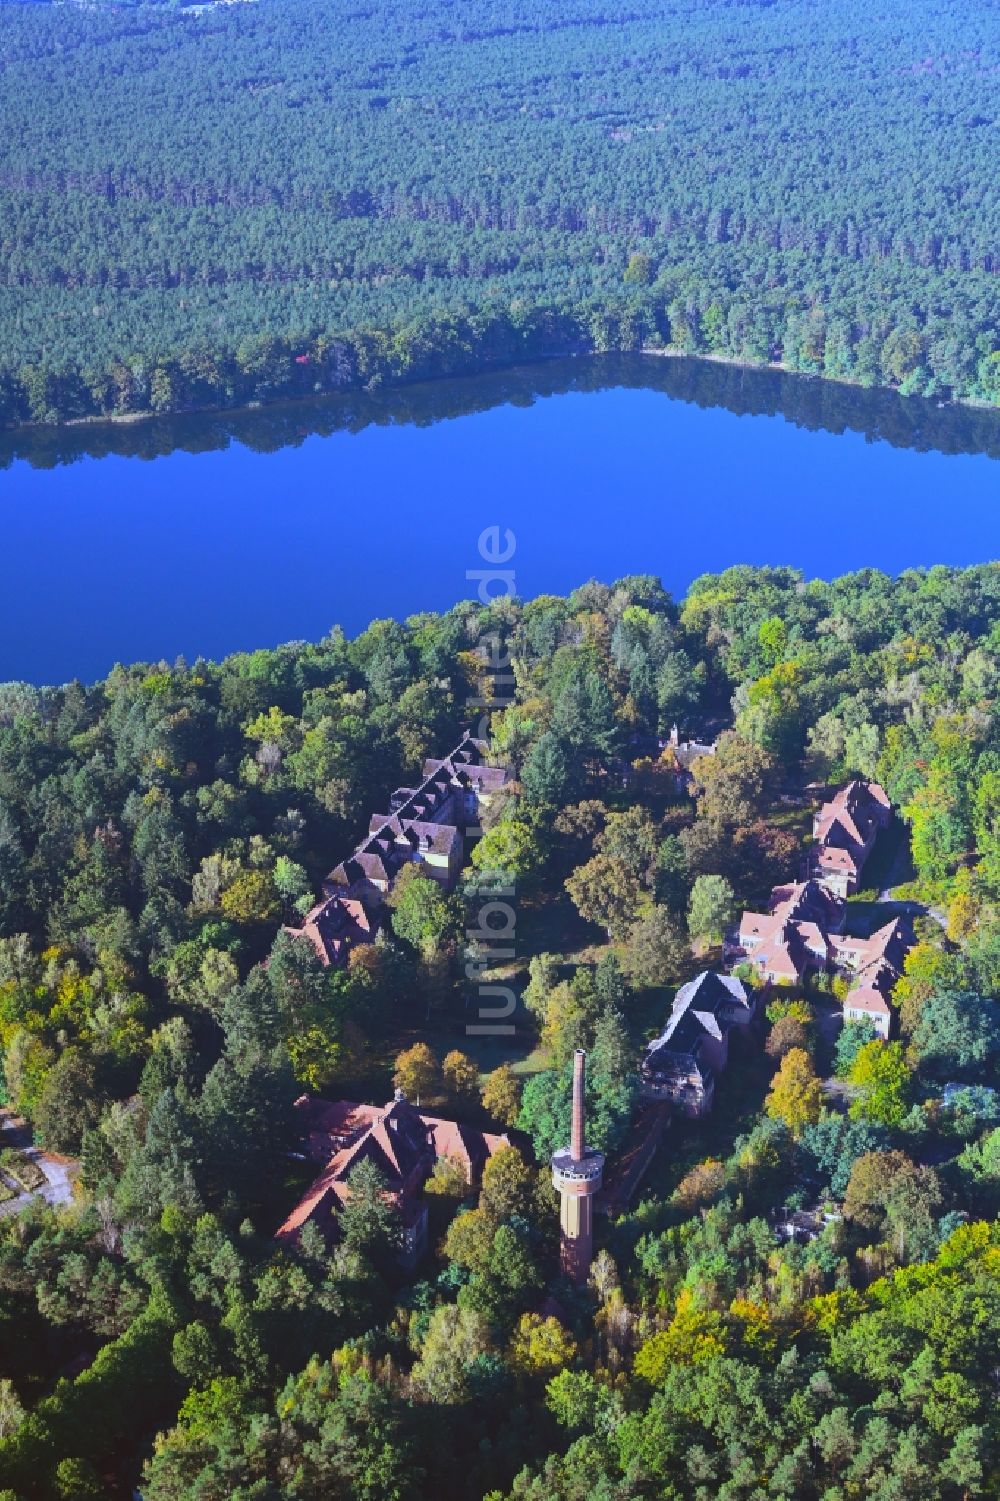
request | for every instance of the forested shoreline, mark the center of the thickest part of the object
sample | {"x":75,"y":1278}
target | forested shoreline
{"x":160,"y":828}
{"x":222,"y":392}
{"x":815,"y":405}
{"x":214,"y":208}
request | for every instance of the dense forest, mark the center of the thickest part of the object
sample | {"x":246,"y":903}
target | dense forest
{"x":157,"y":829}
{"x":219,"y":204}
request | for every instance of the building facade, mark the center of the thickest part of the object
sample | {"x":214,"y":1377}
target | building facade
{"x":402,"y":1141}
{"x":680,"y":1066}
{"x":426,"y":825}
{"x":802,"y":932}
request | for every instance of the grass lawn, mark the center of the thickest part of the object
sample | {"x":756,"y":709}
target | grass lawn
{"x":650,"y":1009}
{"x":793,"y":818}
{"x":548,"y":923}
{"x":521,"y":1051}
{"x":443,"y":1031}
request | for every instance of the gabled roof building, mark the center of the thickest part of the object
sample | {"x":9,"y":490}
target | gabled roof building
{"x":400,"y":1140}
{"x":869,"y":999}
{"x":681,"y":1064}
{"x":687,"y":752}
{"x":425,"y":825}
{"x":809,"y":901}
{"x":887,"y":944}
{"x":845,"y":830}
{"x":335,"y":926}
{"x":682,"y":754}
{"x":802,"y":932}
{"x":790,"y":940}
{"x":875,"y":964}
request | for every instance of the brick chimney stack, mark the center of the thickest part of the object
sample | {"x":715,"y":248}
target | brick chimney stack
{"x":577,"y":1173}
{"x":577,"y":1144}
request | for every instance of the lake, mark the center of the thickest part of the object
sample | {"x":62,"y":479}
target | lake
{"x":212,"y":533}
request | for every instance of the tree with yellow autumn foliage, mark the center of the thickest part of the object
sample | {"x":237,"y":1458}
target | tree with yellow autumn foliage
{"x":796,"y":1094}
{"x":694,"y":1334}
{"x":541,"y":1346}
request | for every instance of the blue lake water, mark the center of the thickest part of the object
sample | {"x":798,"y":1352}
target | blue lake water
{"x":215,"y":534}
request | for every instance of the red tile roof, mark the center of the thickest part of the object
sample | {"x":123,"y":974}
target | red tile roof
{"x":852,"y":817}
{"x":334,"y":925}
{"x":809,"y":901}
{"x":399,"y":1139}
{"x":867,"y":998}
{"x":803,"y":920}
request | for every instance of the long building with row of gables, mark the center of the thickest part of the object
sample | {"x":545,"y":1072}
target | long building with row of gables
{"x":425,"y":825}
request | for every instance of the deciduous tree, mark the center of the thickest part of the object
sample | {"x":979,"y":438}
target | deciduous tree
{"x":423,"y":914}
{"x":455,"y":1337}
{"x":880,"y":1073}
{"x":418,"y":1073}
{"x":541,"y":1346}
{"x":655,"y":948}
{"x":710,"y":909}
{"x":460,"y":1074}
{"x":796,"y":1094}
{"x":605,"y":892}
{"x":501,"y":1095}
